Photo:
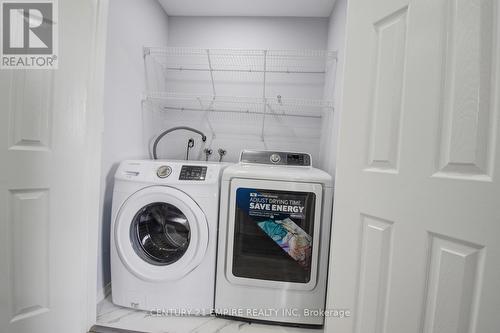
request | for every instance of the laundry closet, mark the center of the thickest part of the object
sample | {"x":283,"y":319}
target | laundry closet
{"x":392,"y":110}
{"x":247,"y":76}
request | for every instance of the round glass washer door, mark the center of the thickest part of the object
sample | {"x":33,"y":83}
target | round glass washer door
{"x":161,"y":233}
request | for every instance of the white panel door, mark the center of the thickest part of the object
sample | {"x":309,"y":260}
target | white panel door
{"x":416,"y":237}
{"x":46,"y":120}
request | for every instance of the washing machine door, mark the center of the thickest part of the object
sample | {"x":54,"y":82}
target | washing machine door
{"x":161,"y":233}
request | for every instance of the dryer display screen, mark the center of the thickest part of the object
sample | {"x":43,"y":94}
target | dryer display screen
{"x":193,"y":172}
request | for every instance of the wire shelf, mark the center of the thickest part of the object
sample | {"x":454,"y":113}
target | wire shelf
{"x":239,"y":60}
{"x":234,"y":85}
{"x":290,"y":107}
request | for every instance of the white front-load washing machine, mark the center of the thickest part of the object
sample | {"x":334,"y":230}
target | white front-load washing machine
{"x":163,"y":235}
{"x":274,"y":236}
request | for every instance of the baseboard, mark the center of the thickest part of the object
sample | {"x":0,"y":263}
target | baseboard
{"x":103,"y":293}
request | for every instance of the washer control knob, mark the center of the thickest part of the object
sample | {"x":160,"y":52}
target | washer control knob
{"x":275,"y":158}
{"x":164,"y":171}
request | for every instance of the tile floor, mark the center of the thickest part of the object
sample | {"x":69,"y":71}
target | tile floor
{"x":115,"y":317}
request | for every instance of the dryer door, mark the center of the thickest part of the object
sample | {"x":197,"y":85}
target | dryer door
{"x":161,"y":233}
{"x":273,"y":234}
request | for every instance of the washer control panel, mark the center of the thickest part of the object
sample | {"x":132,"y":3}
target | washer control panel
{"x":170,"y":172}
{"x":193,"y":172}
{"x":276,"y":158}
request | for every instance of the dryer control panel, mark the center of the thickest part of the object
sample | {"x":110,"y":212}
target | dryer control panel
{"x":276,"y":158}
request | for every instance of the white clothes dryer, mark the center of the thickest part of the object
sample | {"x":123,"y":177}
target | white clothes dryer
{"x":164,"y":234}
{"x":274,"y":235}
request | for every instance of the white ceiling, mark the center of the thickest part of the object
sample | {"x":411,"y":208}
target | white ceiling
{"x":299,"y":8}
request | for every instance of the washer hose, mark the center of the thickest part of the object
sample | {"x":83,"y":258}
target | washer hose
{"x":157,"y":140}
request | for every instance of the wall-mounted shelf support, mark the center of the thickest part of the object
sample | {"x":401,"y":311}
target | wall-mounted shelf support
{"x":264,"y":103}
{"x":211,"y":72}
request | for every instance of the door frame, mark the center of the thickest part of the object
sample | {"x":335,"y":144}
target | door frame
{"x":94,"y":130}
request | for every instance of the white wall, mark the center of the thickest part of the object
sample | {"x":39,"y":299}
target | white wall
{"x":235,"y":132}
{"x":248,"y":32}
{"x":336,"y":41}
{"x":132,"y":24}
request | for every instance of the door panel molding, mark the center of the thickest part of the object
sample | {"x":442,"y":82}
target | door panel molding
{"x":29,"y":253}
{"x":455,"y":273}
{"x":31,"y":110}
{"x":467,"y":145}
{"x":387,"y":100}
{"x":375,"y":263}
